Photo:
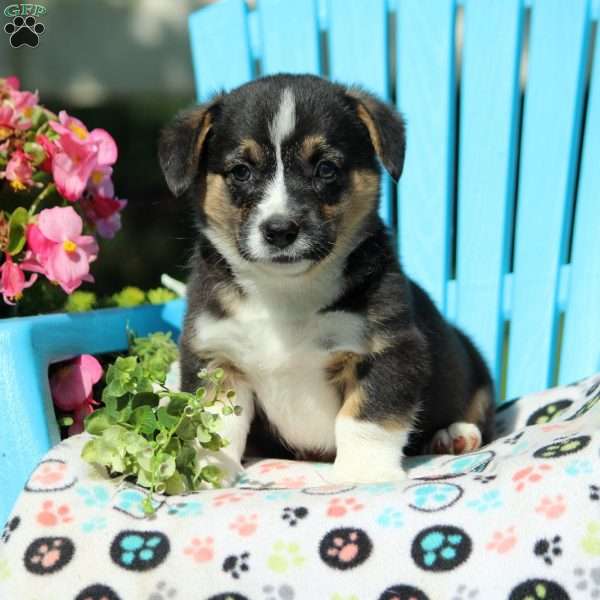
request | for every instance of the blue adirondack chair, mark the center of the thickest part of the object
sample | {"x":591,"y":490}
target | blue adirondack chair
{"x":497,"y":213}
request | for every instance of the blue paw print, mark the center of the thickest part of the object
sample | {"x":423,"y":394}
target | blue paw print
{"x":378,"y":488}
{"x":430,"y":497}
{"x":489,"y":500}
{"x":579,"y":467}
{"x":94,"y":524}
{"x":185,"y":509}
{"x":130,"y":500}
{"x":279,"y":495}
{"x":441,"y":548}
{"x":139,"y":550}
{"x":96,"y":496}
{"x":390,"y":518}
{"x":471,"y":462}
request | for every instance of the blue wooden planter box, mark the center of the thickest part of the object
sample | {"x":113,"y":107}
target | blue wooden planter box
{"x":27,"y":347}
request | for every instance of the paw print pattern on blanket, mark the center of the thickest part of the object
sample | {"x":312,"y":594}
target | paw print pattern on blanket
{"x":403,"y":592}
{"x":236,"y":565}
{"x":548,"y":549}
{"x":51,"y":475}
{"x":9,"y":528}
{"x":245,"y":525}
{"x":47,"y":555}
{"x":339,"y":507}
{"x":282,"y":592}
{"x":345,"y":548}
{"x":538,"y":589}
{"x":529,"y":475}
{"x":129,"y":501}
{"x":441,"y":548}
{"x":292,"y":516}
{"x":96,"y":496}
{"x":551,"y":507}
{"x":139,"y":550}
{"x":591,"y":541}
{"x":97,"y":592}
{"x":49,"y":515}
{"x":549,"y":412}
{"x":563,"y":447}
{"x":201,"y":549}
{"x":431,"y":497}
{"x":285,"y":556}
{"x":502,"y":541}
{"x":489,"y":500}
{"x":390,"y":517}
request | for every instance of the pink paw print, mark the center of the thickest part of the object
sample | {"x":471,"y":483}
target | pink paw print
{"x":201,"y":550}
{"x":529,"y":475}
{"x":551,"y":509}
{"x":50,"y":473}
{"x":338,"y":507}
{"x":230,"y":498}
{"x":272,"y":465}
{"x":503,"y":542}
{"x":245,"y":526}
{"x":48,"y":516}
{"x":292,"y":482}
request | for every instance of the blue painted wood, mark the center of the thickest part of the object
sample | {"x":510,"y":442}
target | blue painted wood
{"x":580,"y":353}
{"x":358,"y":54}
{"x":220,"y":46}
{"x":290,"y":36}
{"x":27,"y":346}
{"x":551,"y":125}
{"x":489,"y":116}
{"x":426,"y":95}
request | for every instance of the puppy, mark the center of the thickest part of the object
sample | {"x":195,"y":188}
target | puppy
{"x":295,"y":290}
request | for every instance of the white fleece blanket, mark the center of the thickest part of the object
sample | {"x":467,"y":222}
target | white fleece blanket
{"x":518,"y":520}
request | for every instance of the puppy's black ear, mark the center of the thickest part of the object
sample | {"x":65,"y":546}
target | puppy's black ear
{"x":181,"y":144}
{"x":386,"y":130}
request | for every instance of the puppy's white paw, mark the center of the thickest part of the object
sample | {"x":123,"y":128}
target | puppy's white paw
{"x":231,"y":469}
{"x":365,"y":474}
{"x":459,"y":438}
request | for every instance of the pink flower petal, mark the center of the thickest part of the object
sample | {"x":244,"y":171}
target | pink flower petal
{"x":107,"y":148}
{"x":60,"y":223}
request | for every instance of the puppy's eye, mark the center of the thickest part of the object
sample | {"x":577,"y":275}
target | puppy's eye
{"x":326,"y":170}
{"x":241,"y":173}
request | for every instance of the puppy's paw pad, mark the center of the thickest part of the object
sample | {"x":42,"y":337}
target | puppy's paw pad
{"x":459,"y":438}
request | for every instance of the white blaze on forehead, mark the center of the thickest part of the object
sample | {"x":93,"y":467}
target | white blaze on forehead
{"x":274,"y":201}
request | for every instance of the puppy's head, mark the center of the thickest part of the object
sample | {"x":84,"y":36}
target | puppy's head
{"x":284,"y":169}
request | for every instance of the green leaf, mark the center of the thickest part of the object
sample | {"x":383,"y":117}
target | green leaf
{"x":98,"y":422}
{"x":177,"y":402}
{"x":237,"y":410}
{"x":145,"y":399}
{"x":160,"y":295}
{"x":35,"y":151}
{"x":176,"y":484}
{"x":65,"y":421}
{"x":80,"y":301}
{"x":186,"y":456}
{"x":186,"y":430}
{"x":143,"y":419}
{"x":165,"y":419}
{"x":212,"y":474}
{"x":17,"y":225}
{"x":202,"y":435}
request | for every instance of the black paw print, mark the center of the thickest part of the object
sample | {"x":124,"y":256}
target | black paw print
{"x":97,"y":592}
{"x":484,"y":478}
{"x":594,"y":492}
{"x":234,"y":564}
{"x":514,"y":439}
{"x":293,"y":515}
{"x":9,"y":529}
{"x":548,"y":550}
{"x":24,"y":32}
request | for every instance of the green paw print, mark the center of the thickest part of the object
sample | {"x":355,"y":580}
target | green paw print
{"x":591,"y":542}
{"x":340,"y":597}
{"x":285,"y":556}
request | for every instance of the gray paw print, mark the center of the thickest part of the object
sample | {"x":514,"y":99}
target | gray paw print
{"x":588,"y":581}
{"x":464,"y":593}
{"x":283,"y":592}
{"x":162,"y":592}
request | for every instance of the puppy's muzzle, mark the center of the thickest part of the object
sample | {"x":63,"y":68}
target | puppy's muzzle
{"x":279,"y":231}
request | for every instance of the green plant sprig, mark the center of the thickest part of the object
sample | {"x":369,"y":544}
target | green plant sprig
{"x":154,"y":435}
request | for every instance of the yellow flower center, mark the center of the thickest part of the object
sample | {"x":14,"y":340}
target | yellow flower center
{"x":97,"y":177}
{"x":28,"y":111}
{"x":69,"y":246}
{"x":17,"y":185}
{"x":4,"y":133}
{"x":80,"y":132}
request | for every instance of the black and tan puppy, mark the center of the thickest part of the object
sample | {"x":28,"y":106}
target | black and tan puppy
{"x":295,"y":290}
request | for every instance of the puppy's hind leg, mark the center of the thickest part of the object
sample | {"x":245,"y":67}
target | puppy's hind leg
{"x":466,"y":435}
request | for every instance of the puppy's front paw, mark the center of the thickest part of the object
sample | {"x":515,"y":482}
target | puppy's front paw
{"x":231,"y":469}
{"x":459,"y":438}
{"x":344,"y":473}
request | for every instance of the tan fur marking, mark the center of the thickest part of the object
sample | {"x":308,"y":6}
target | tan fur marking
{"x":309,"y":145}
{"x":217,"y":204}
{"x":252,"y":149}
{"x":478,"y":406}
{"x":365,"y":117}
{"x":378,"y":344}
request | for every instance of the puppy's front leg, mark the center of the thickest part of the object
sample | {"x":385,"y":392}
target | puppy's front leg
{"x":381,"y":395}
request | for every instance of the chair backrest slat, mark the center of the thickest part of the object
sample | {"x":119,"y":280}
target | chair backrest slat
{"x":580,"y":353}
{"x":290,"y":36}
{"x":220,"y":44}
{"x":426,"y":95}
{"x":489,"y":105}
{"x":358,"y":50}
{"x":551,"y":126}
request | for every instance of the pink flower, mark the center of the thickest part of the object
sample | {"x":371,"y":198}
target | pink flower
{"x":50,"y":150}
{"x":70,"y":127}
{"x":71,"y":388}
{"x":58,"y":250}
{"x":100,"y":182}
{"x":11,"y":83}
{"x":19,"y":171}
{"x":72,"y":166}
{"x":104,"y":213}
{"x":12,"y":280}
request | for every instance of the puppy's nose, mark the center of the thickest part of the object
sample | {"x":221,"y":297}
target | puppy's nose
{"x":279,"y":231}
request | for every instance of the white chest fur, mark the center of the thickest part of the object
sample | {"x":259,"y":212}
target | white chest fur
{"x":283,"y":351}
